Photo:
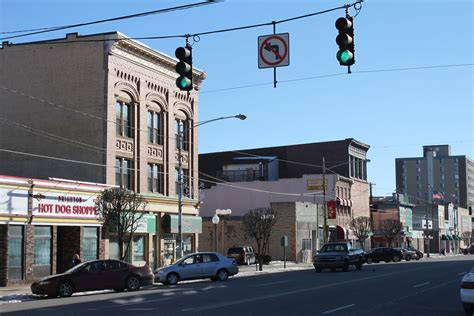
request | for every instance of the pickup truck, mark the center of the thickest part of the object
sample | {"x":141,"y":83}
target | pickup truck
{"x":338,"y":255}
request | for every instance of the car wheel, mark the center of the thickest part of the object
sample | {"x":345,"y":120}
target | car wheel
{"x":133,"y":283}
{"x":172,"y":279}
{"x":468,"y":308}
{"x":396,"y":259}
{"x":369,"y":260}
{"x":318,"y":269}
{"x":222,"y":275}
{"x":408,"y":258}
{"x":359,"y":265}
{"x":65,"y":289}
{"x":345,"y":268}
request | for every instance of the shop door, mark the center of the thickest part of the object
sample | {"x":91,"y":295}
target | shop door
{"x":42,"y":251}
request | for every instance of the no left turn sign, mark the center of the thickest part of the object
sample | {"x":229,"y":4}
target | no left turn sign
{"x":273,"y":50}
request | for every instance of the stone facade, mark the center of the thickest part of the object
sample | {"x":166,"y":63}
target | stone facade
{"x":74,"y":85}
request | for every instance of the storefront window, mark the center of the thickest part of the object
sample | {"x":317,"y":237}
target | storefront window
{"x":113,"y":248}
{"x":187,"y":245}
{"x":15,"y":252}
{"x":90,"y":243}
{"x":138,"y":248}
{"x":42,"y":251}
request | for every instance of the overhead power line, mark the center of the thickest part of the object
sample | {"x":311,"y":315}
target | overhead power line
{"x":238,"y":28}
{"x":136,"y":15}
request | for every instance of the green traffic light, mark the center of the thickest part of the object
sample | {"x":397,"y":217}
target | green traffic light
{"x":183,"y":82}
{"x":344,"y":56}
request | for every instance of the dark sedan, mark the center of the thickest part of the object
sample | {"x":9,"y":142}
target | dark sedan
{"x":92,"y":276}
{"x":383,"y":254}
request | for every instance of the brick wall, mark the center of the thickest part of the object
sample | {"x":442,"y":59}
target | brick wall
{"x":29,"y":254}
{"x":297,"y":220}
{"x":68,"y":245}
{"x":3,"y":254}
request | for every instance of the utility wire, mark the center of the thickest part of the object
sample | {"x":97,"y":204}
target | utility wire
{"x":340,"y":74}
{"x":182,"y":35}
{"x":136,"y":15}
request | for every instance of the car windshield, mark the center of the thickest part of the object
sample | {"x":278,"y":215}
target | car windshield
{"x":334,"y":248}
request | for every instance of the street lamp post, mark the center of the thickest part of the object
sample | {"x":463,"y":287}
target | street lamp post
{"x":180,"y":174}
{"x":223,"y":212}
{"x":215,"y":221}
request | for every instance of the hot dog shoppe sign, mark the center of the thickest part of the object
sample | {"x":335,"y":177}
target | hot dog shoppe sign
{"x":66,"y":205}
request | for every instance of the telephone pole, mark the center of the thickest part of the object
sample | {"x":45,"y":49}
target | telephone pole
{"x":325,"y":228}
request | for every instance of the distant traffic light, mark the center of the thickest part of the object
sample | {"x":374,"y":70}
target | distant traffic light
{"x":184,"y":68}
{"x":345,"y":40}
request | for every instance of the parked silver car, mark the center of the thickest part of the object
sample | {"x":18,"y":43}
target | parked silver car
{"x":408,"y":254}
{"x":198,"y":265}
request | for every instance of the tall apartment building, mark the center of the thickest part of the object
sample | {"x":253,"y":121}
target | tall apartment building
{"x":437,"y":170}
{"x":103,"y":108}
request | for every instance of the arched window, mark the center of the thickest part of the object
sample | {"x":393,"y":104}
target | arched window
{"x":155,"y":127}
{"x":123,"y":116}
{"x":183,"y":125}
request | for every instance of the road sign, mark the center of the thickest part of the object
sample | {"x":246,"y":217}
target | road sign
{"x":273,"y":50}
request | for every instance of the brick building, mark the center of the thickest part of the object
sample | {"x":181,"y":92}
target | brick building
{"x":43,"y":223}
{"x":297,"y":220}
{"x":103,"y":108}
{"x":293,"y":173}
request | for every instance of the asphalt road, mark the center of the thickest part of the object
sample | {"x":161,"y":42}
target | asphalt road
{"x":426,"y":287}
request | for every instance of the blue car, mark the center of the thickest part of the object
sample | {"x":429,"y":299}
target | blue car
{"x":200,"y":265}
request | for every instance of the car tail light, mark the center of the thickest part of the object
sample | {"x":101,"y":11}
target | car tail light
{"x":467,"y":285}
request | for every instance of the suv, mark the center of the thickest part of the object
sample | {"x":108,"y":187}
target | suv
{"x":243,"y":255}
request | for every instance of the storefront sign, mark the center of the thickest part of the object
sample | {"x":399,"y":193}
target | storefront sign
{"x":190,"y":224}
{"x":58,"y":204}
{"x":147,"y":224}
{"x":315,"y":184}
{"x":331,"y":213}
{"x":13,"y":201}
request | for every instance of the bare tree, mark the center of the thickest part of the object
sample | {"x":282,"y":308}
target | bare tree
{"x":258,"y":223}
{"x":391,"y":229}
{"x":361,"y":226}
{"x":121,"y":211}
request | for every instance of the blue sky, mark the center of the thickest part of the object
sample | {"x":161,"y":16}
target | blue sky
{"x":395,"y":112}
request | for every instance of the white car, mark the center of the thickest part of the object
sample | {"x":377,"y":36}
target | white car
{"x":467,"y":292}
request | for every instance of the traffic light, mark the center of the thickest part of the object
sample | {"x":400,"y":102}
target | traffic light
{"x":345,"y":40}
{"x":184,"y":68}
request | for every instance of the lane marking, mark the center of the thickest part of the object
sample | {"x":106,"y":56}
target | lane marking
{"x":271,"y":283}
{"x":422,"y":284}
{"x":337,"y":309}
{"x":134,"y":303}
{"x":140,"y":309}
{"x":269,"y":296}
